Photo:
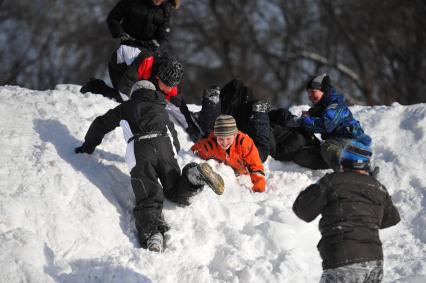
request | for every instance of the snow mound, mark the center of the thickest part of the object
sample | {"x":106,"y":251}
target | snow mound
{"x":68,"y":217}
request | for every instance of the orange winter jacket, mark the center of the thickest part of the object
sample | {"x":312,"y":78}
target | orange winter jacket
{"x":242,"y":156}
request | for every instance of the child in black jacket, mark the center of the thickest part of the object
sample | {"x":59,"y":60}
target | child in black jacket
{"x":141,"y":20}
{"x":147,"y":131}
{"x":354,"y":206}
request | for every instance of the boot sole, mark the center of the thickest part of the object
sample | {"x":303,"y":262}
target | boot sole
{"x":155,"y":248}
{"x":212,"y":179}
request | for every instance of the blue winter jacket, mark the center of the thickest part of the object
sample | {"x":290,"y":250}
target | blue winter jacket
{"x":332,"y":118}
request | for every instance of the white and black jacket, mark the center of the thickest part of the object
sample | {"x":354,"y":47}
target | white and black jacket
{"x":143,"y":114}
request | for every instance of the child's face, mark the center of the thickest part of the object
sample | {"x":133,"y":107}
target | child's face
{"x":315,"y":95}
{"x":163,"y":87}
{"x":158,"y":2}
{"x":225,"y":142}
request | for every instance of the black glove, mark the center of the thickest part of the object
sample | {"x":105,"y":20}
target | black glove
{"x":126,"y":37}
{"x":155,"y":43}
{"x":152,"y":45}
{"x":194,"y":133}
{"x":84,"y":149}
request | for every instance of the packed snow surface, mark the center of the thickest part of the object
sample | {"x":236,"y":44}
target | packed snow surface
{"x":68,"y":217}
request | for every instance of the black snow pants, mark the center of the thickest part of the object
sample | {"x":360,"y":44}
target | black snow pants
{"x":259,"y":129}
{"x":207,"y":116}
{"x":363,"y":272}
{"x":155,"y":160}
{"x":237,"y":100}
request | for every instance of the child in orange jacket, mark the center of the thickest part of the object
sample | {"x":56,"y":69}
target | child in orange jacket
{"x":236,"y":149}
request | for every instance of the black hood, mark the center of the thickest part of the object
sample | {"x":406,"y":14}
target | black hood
{"x":148,"y":95}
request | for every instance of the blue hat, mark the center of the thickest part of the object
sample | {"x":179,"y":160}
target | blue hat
{"x":356,"y":156}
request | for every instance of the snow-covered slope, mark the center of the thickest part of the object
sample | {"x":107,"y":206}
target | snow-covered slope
{"x":68,"y":218}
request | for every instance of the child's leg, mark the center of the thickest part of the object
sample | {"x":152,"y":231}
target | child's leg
{"x":149,"y":201}
{"x":371,"y":272}
{"x":210,"y":110}
{"x":176,"y":187}
{"x":260,"y":131}
{"x":376,"y":271}
{"x":331,"y":150}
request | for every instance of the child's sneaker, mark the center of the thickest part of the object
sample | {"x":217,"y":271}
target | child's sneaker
{"x":155,"y":243}
{"x":211,"y":178}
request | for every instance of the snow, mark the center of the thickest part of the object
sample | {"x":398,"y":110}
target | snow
{"x":68,"y":218}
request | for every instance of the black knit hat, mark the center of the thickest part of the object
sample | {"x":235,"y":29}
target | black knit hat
{"x":170,"y":72}
{"x":321,"y":82}
{"x":225,"y":125}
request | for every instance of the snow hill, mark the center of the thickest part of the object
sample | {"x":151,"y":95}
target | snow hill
{"x":68,"y":218}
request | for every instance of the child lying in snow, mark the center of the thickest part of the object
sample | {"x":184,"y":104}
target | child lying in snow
{"x":236,"y":149}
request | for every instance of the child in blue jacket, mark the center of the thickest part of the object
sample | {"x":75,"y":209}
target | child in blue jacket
{"x":331,"y":117}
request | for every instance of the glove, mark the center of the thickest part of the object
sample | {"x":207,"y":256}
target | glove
{"x":126,"y":37}
{"x":257,"y":190}
{"x":155,"y":43}
{"x":152,"y":45}
{"x":83,"y":149}
{"x":194,"y":133}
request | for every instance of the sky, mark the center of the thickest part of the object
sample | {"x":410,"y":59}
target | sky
{"x":68,"y":217}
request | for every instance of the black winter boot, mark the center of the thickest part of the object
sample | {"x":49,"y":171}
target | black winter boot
{"x":98,"y":86}
{"x":212,"y":95}
{"x":203,"y":174}
{"x":261,"y":106}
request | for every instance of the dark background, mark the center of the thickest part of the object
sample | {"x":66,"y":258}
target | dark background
{"x":374,"y":51}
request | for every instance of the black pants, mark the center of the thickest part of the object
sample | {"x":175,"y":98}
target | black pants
{"x":116,"y":70}
{"x":259,"y":129}
{"x":207,"y":116}
{"x":155,"y":160}
{"x":363,"y":272}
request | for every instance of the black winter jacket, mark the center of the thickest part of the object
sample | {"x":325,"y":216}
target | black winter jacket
{"x":141,"y":19}
{"x":289,"y":136}
{"x":293,"y":143}
{"x":144,"y":111}
{"x":353,"y":207}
